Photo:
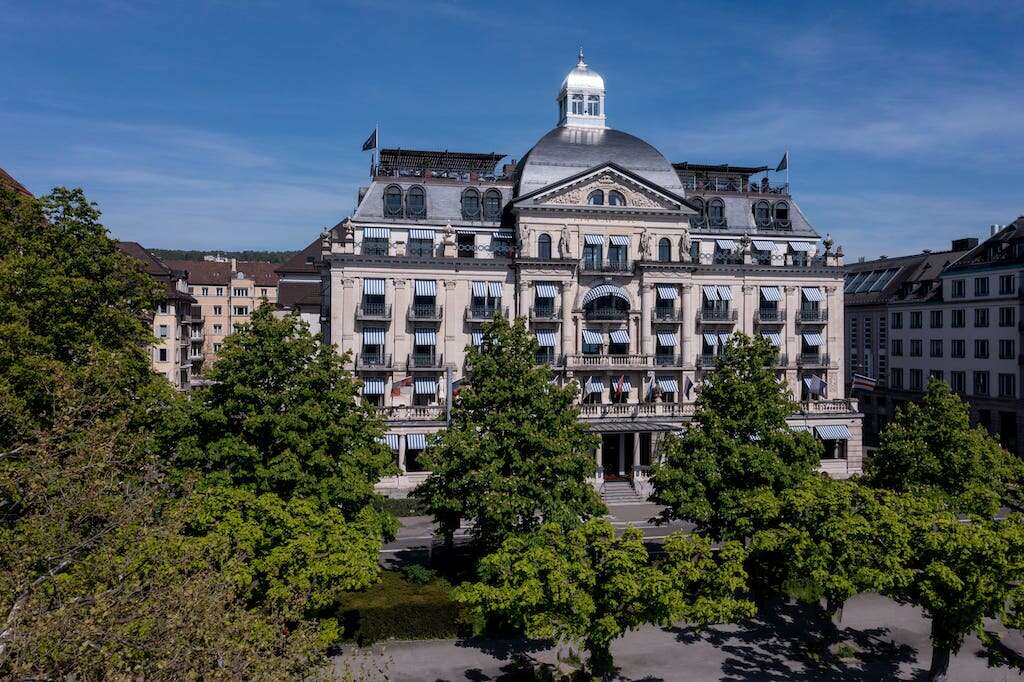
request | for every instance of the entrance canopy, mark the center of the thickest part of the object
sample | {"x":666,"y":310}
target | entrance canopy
{"x":605,"y":290}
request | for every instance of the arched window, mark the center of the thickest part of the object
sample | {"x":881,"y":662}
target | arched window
{"x":593,"y":105}
{"x":544,"y":245}
{"x":415,"y":203}
{"x":615,"y":198}
{"x":781,"y":211}
{"x":700,"y":218}
{"x":761,"y":215}
{"x":716,"y":213}
{"x":577,"y":104}
{"x":596,"y":198}
{"x":492,"y":204}
{"x":393,"y":201}
{"x":471,"y":205}
{"x":664,"y":250}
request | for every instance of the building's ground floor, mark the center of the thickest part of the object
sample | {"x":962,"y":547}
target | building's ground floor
{"x":630,"y":443}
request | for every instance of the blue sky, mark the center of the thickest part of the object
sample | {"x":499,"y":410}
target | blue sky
{"x":238,"y":124}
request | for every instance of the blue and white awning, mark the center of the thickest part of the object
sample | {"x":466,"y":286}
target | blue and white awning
{"x":503,"y":235}
{"x":425,"y":287}
{"x":764,"y":245}
{"x":416,"y":441}
{"x":619,"y":336}
{"x":805,"y":247}
{"x":726,"y":244}
{"x":593,"y":385}
{"x":545,"y":290}
{"x":477,"y":338}
{"x":618,"y":240}
{"x":494,"y":289}
{"x":480,"y":289}
{"x":711,"y":339}
{"x":621,"y":384}
{"x":775,"y":338}
{"x":771,"y":294}
{"x":800,"y":428}
{"x":603,"y":290}
{"x":725,"y":293}
{"x":373,"y":336}
{"x":376,"y":233}
{"x":723,"y":338}
{"x":668,"y":384}
{"x":667,"y":293}
{"x":391,"y":440}
{"x":421,"y":234}
{"x":667,"y":339}
{"x":373,"y":287}
{"x":373,"y":386}
{"x":424,"y":386}
{"x":593,"y":239}
{"x":710,"y":292}
{"x":814,"y":339}
{"x":833,"y":432}
{"x":546,"y":339}
{"x":812,"y":294}
{"x":426,"y":337}
{"x":592,"y":338}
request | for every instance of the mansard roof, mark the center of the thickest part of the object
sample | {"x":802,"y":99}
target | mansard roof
{"x":401,"y":161}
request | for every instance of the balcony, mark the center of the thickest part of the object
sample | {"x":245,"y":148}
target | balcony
{"x":548,"y":359}
{"x":373,"y":311}
{"x":612,"y":265}
{"x":780,"y":360}
{"x":602,"y":360}
{"x":668,"y":360}
{"x":768,"y":316}
{"x":610,"y":314}
{"x":546,"y":314}
{"x":812,"y":360}
{"x":667,"y":315}
{"x":727,"y":259}
{"x":707,"y":361}
{"x":810,"y":316}
{"x":716,"y":315}
{"x":418,"y":413}
{"x":620,"y":410}
{"x":196,"y":334}
{"x":373,"y":361}
{"x":425,"y":361}
{"x":419,"y":312}
{"x":484,"y":313}
{"x":194,"y":355}
{"x":836,"y":406}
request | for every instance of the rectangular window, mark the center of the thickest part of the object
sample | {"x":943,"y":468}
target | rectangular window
{"x":897,"y":347}
{"x":206,"y":291}
{"x":916,"y":380}
{"x":959,"y":316}
{"x":1007,"y":315}
{"x":935,"y":319}
{"x":218,"y":329}
{"x":936,"y":374}
{"x":241,"y":310}
{"x":592,"y":256}
{"x":1006,"y":349}
{"x":916,"y":318}
{"x":466,"y":244}
{"x":897,"y":321}
{"x":1006,"y":283}
{"x":935,"y":348}
{"x":957,"y":348}
{"x":981,"y":383}
{"x":916,"y":348}
{"x":161,"y":308}
{"x":421,"y":247}
{"x":896,"y":377}
{"x":163,"y":331}
{"x":958,"y":381}
{"x":981,"y":317}
{"x":240,"y":291}
{"x":958,"y":288}
{"x":1007,"y":385}
{"x":981,"y":348}
{"x":375,"y":246}
{"x":218,"y":310}
{"x":220,"y":291}
{"x":981,"y":286}
{"x":162,"y":354}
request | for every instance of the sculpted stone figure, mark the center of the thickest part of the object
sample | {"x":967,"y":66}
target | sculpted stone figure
{"x":684,"y":246}
{"x":645,"y":245}
{"x":563,"y":243}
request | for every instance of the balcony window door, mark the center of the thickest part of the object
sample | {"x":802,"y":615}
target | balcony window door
{"x":466,"y":243}
{"x":593,"y":391}
{"x":620,"y":390}
{"x":769,"y":306}
{"x":424,"y":301}
{"x":376,"y":241}
{"x":618,"y":252}
{"x":373,"y":296}
{"x":716,"y":301}
{"x":592,"y":253}
{"x":665,"y":349}
{"x":810,"y":345}
{"x":424,"y":348}
{"x":546,"y":350}
{"x":810,"y":302}
{"x":665,"y":303}
{"x":544,"y":299}
{"x":593,"y":342}
{"x":618,"y":342}
{"x":608,"y":307}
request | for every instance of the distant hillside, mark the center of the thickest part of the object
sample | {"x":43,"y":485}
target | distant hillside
{"x":264,"y":256}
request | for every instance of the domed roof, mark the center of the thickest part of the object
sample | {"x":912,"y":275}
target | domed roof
{"x":568,"y":150}
{"x":582,"y":78}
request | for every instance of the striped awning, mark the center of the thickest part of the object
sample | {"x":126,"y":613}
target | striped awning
{"x":391,"y":440}
{"x":814,"y":339}
{"x":603,"y":290}
{"x":373,"y":336}
{"x":477,"y":338}
{"x":480,"y":289}
{"x":421,"y":234}
{"x":494,"y":289}
{"x":771,"y":293}
{"x":667,"y":339}
{"x":833,"y":432}
{"x":503,"y":234}
{"x":667,"y":293}
{"x":806,"y":247}
{"x":775,"y":338}
{"x":416,"y":441}
{"x":622,"y":384}
{"x":723,"y":338}
{"x":710,"y":292}
{"x":593,"y":385}
{"x":546,"y":339}
{"x":725,"y":293}
{"x":619,"y":336}
{"x":545,"y":290}
{"x":593,"y":239}
{"x":593,"y":338}
{"x":373,"y":287}
{"x":426,"y":287}
{"x":618,"y":240}
{"x":726,"y":244}
{"x":426,"y":337}
{"x":764,"y":245}
{"x":376,"y":233}
{"x":800,"y":428}
{"x":424,"y":386}
{"x":668,"y":384}
{"x":373,"y":386}
{"x":711,"y":339}
{"x":812,"y":294}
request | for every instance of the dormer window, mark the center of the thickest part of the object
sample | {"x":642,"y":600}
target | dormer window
{"x":761,"y":214}
{"x":781,"y":212}
{"x":471,"y":205}
{"x":492,"y":204}
{"x":593,"y":105}
{"x":415,"y":203}
{"x":716,"y":213}
{"x":616,"y":199}
{"x":596,"y":198}
{"x":393,"y":202}
{"x":700,"y":219}
{"x":577,"y":105}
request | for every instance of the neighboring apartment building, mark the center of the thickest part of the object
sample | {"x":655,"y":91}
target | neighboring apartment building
{"x":226,"y":293}
{"x":632,"y":272}
{"x":954,"y":315}
{"x":172,"y":320}
{"x":299,"y":283}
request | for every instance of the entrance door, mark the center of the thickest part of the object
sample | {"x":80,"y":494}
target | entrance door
{"x":610,"y":456}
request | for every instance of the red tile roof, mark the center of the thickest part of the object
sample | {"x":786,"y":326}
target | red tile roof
{"x":8,"y":181}
{"x":217,"y":272}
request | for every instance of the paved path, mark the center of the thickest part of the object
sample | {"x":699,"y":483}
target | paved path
{"x":775,"y":647}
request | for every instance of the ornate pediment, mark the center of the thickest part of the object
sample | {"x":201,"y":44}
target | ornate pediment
{"x":607,"y":180}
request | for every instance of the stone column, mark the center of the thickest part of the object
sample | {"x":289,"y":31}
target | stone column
{"x":348,"y":321}
{"x":646,"y":340}
{"x":622,"y":454}
{"x":688,"y":311}
{"x":636,"y":449}
{"x":523,"y":299}
{"x":399,"y":329}
{"x":451,"y":320}
{"x":401,"y":455}
{"x":568,"y":342}
{"x":337,"y":307}
{"x":747,"y":311}
{"x":791,"y":338}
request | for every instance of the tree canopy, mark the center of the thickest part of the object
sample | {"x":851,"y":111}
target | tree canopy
{"x":515,"y":452}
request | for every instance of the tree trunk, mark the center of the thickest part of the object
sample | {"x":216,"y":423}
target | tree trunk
{"x":599,"y":660}
{"x":940,"y":663}
{"x":835,"y":611}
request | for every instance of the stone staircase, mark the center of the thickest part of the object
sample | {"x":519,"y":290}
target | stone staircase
{"x":619,"y":492}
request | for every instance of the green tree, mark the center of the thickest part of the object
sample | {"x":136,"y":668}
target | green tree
{"x":586,"y":586}
{"x":726,"y":472}
{"x":931,"y":449}
{"x":515,"y":453}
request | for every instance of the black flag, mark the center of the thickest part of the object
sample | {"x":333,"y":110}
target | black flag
{"x":371,"y":141}
{"x":783,"y":165}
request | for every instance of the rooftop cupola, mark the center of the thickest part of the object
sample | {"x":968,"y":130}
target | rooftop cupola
{"x":581,"y":100}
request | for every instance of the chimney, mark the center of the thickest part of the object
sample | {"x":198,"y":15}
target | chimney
{"x":964,"y":243}
{"x":861,"y":259}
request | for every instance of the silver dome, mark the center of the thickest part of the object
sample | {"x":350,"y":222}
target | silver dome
{"x":568,"y":150}
{"x":582,"y":78}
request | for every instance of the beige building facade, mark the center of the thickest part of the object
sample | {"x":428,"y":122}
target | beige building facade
{"x":632,"y":272}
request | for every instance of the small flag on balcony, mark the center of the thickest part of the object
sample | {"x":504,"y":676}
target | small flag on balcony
{"x":783,"y":164}
{"x":620,"y":384}
{"x":457,"y":386}
{"x":371,"y":141}
{"x":396,"y":387}
{"x":863,"y":383}
{"x":817,"y":386}
{"x":687,"y":387}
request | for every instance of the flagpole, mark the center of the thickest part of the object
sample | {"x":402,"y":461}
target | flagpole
{"x":788,"y":164}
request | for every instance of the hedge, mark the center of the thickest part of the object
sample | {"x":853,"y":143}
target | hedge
{"x":398,"y":609}
{"x":402,"y":506}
